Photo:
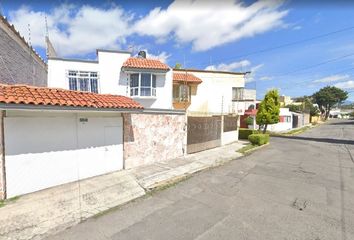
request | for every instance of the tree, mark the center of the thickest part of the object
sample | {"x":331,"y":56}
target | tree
{"x":306,"y":106}
{"x":327,"y":97}
{"x":178,"y":66}
{"x":294,"y":108}
{"x":269,"y":109}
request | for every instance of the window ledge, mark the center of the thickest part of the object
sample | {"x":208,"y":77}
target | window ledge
{"x":144,"y":97}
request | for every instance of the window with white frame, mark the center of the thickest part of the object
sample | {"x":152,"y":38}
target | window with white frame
{"x":143,"y":85}
{"x":83,"y":81}
{"x":237,"y":93}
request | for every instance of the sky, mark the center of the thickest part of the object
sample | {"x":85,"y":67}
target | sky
{"x":294,"y":46}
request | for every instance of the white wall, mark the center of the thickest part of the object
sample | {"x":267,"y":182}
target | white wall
{"x":282,"y":126}
{"x":163,"y":97}
{"x":229,"y":137}
{"x":57,"y":70}
{"x":111,"y":79}
{"x":214,"y":94}
{"x":44,"y":150}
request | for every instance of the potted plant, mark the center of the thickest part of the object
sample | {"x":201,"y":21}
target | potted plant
{"x":249,"y":122}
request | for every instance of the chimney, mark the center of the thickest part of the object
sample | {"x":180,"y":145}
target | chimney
{"x":142,"y":54}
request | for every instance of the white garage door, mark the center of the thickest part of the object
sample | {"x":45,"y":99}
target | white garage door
{"x":42,"y":152}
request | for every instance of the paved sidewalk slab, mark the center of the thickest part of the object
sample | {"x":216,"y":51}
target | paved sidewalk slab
{"x":36,"y":215}
{"x":158,"y":174}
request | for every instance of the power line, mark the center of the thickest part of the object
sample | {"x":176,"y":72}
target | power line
{"x":310,"y":81}
{"x":315,"y":65}
{"x":237,"y":57}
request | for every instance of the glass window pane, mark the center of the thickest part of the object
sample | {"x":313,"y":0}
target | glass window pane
{"x":175,"y":91}
{"x":84,"y":84}
{"x":146,"y":80}
{"x":94,"y":87}
{"x":145,"y":91}
{"x":72,"y":84}
{"x":154,"y":81}
{"x":134,"y":80}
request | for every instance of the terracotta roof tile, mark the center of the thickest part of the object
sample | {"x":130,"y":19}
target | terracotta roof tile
{"x":144,"y":63}
{"x":185,"y":77}
{"x":22,"y":94}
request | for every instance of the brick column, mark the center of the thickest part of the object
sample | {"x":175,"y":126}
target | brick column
{"x":2,"y":158}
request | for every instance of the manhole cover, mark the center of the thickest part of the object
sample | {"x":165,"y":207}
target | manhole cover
{"x":300,"y":204}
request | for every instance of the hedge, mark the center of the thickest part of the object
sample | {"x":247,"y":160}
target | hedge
{"x":258,"y":139}
{"x":245,"y":132}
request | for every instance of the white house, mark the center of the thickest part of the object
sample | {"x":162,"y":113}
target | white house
{"x":216,"y":93}
{"x":285,"y":121}
{"x":147,"y":81}
{"x":53,"y":136}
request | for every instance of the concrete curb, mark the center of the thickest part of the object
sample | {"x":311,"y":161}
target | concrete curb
{"x":255,"y":149}
{"x":175,"y":175}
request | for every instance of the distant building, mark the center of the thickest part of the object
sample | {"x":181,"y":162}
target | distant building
{"x":285,"y":100}
{"x":19,"y":63}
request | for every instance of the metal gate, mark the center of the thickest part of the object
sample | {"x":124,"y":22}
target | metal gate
{"x":203,"y":133}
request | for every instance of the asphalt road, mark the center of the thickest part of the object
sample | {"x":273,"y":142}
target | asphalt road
{"x":296,"y":188}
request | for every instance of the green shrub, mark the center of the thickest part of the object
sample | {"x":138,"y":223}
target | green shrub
{"x":258,"y":139}
{"x":245,"y":132}
{"x":249,"y":121}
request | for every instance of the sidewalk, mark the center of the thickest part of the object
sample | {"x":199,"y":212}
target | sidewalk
{"x":40,"y":214}
{"x":160,"y":173}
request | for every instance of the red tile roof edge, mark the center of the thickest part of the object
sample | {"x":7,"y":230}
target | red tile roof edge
{"x":186,"y":77}
{"x":145,"y":63}
{"x":36,"y":96}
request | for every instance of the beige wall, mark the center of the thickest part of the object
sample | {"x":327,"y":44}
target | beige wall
{"x":214,"y":94}
{"x":150,"y":138}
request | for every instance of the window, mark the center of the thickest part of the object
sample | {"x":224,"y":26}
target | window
{"x":143,"y":84}
{"x":181,"y":93}
{"x":83,"y":81}
{"x":237,"y":93}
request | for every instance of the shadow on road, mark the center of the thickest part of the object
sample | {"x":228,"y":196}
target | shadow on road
{"x":325,"y":140}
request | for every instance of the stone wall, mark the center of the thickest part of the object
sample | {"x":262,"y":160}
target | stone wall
{"x":2,"y":158}
{"x":150,"y":138}
{"x":18,"y":63}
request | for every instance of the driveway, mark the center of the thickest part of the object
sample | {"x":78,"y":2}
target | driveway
{"x":298,"y":187}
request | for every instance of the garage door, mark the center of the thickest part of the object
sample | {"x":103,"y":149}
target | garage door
{"x":42,"y":152}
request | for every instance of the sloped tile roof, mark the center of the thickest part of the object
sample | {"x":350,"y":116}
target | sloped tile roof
{"x":29,"y":95}
{"x":144,"y":63}
{"x":185,"y":77}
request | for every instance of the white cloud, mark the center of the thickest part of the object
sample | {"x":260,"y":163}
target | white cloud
{"x":265,"y":78}
{"x":229,"y":67}
{"x":332,"y":78}
{"x":163,"y":56}
{"x":79,"y":30}
{"x":207,"y":24}
{"x":251,"y":77}
{"x":297,"y":28}
{"x":74,"y":31}
{"x":345,"y":85}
